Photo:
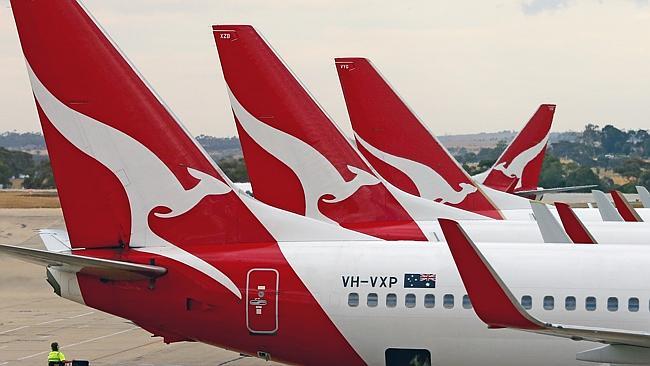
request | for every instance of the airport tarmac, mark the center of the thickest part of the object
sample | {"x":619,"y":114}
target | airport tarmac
{"x":32,"y":316}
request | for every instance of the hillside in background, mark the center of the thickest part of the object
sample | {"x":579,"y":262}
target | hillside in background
{"x":476,"y":141}
{"x":24,"y":162}
{"x":22,"y":141}
{"x":609,"y":157}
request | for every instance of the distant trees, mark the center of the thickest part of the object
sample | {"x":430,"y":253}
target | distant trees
{"x":608,"y":141}
{"x":624,"y":152}
{"x":632,"y":167}
{"x":14,"y":164}
{"x":41,"y":177}
{"x":614,"y":141}
{"x":553,"y":173}
{"x":572,"y":159}
{"x":583,"y":176}
{"x":234,"y":168}
{"x":486,"y":156}
{"x":580,"y":159}
{"x":220,"y":147}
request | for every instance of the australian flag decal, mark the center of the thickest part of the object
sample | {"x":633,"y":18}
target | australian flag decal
{"x":419,"y":280}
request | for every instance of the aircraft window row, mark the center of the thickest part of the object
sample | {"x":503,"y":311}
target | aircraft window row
{"x":410,"y":300}
{"x":571,"y":303}
{"x":548,"y":302}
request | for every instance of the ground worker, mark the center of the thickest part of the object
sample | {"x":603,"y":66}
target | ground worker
{"x":55,"y":358}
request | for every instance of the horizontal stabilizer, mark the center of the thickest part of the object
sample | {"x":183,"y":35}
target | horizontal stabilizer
{"x":496,"y":306}
{"x":104,"y":268}
{"x":540,"y":191}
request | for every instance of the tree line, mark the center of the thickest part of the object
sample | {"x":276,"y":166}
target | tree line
{"x":593,"y":156}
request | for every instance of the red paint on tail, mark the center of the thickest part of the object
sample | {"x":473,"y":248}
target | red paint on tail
{"x":282,"y":110}
{"x":383,"y":120}
{"x":628,"y":213}
{"x":573,"y":226}
{"x":524,"y":156}
{"x":79,"y":65}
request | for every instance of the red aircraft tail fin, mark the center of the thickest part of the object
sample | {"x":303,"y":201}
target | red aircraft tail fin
{"x":399,"y":146}
{"x":624,"y":208}
{"x":573,"y":225}
{"x":523,"y":158}
{"x":297,"y":158}
{"x":127,"y":172}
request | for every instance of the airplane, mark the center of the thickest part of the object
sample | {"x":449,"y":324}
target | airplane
{"x":157,"y":235}
{"x":599,"y":282}
{"x":299,"y":160}
{"x":406,"y":153}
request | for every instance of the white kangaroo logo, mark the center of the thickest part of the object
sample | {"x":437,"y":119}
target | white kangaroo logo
{"x":515,"y":168}
{"x":318,"y":177}
{"x":148,"y":182}
{"x":428,"y":182}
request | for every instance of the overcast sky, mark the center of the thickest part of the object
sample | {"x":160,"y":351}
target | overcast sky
{"x":463,"y":66}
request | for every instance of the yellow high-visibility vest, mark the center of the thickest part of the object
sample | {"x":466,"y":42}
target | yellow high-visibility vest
{"x":55,"y":356}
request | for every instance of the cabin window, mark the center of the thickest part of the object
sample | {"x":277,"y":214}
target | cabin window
{"x":467,"y":303}
{"x":353,"y":299}
{"x":570,"y":303}
{"x":612,"y":304}
{"x":429,"y":301}
{"x":549,"y":302}
{"x":391,"y":300}
{"x":409,"y":300}
{"x":372,"y":300}
{"x":590,"y":303}
{"x":448,"y":301}
{"x":633,"y":304}
{"x":527,"y":302}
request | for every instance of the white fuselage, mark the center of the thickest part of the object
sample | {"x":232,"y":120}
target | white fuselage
{"x":335,"y":274}
{"x":515,"y":231}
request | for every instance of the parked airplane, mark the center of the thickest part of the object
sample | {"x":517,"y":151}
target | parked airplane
{"x":298,"y":159}
{"x":502,"y":300}
{"x":308,"y":167}
{"x":407,"y":154}
{"x":157,"y":235}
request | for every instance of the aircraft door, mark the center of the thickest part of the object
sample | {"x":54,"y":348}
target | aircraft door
{"x":262,"y":300}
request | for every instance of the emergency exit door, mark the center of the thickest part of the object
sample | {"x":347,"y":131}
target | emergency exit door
{"x":262,"y":300}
